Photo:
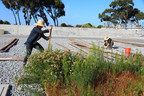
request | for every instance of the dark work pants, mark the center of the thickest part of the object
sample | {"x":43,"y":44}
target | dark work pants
{"x":29,"y":48}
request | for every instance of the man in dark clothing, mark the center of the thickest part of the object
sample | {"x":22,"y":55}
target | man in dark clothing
{"x":34,"y":36}
{"x":108,"y":42}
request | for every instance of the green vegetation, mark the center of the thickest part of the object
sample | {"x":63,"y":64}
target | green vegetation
{"x":121,"y":11}
{"x":63,"y":25}
{"x":138,"y":25}
{"x":32,"y":9}
{"x":64,"y":73}
{"x":88,"y":25}
{"x":78,"y":26}
{"x":99,"y":26}
{"x":4,"y":22}
{"x":69,"y":26}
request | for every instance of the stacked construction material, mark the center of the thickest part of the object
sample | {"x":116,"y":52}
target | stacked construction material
{"x":8,"y":45}
{"x":110,"y":54}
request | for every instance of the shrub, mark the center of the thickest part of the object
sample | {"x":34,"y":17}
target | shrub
{"x":78,"y":25}
{"x":1,"y":21}
{"x":4,"y":22}
{"x":88,"y":25}
{"x":138,"y":25}
{"x":63,"y":25}
{"x":60,"y":73}
{"x":69,"y":26}
{"x":99,"y":26}
{"x":48,"y":69}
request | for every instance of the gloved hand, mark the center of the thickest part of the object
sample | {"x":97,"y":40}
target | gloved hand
{"x":49,"y":37}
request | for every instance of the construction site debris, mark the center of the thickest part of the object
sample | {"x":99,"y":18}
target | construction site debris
{"x":8,"y":45}
{"x":12,"y":59}
{"x":135,"y":44}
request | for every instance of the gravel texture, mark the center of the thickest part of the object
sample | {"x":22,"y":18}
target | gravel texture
{"x":9,"y":69}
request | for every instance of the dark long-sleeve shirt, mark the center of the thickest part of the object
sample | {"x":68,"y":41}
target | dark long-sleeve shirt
{"x":108,"y":41}
{"x":35,"y":35}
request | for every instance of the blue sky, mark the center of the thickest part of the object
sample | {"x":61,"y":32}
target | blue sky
{"x":77,"y":12}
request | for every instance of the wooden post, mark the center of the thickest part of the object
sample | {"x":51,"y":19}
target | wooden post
{"x":135,"y":44}
{"x":49,"y":38}
{"x":12,"y":59}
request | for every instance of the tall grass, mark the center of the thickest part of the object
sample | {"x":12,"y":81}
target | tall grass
{"x":73,"y":74}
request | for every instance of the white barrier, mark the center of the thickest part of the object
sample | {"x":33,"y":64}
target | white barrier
{"x":1,"y":31}
{"x":76,"y":32}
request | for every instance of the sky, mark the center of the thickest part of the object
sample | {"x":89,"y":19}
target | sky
{"x":77,"y":12}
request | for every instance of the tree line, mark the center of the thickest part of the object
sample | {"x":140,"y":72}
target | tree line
{"x":33,"y":9}
{"x":4,"y":22}
{"x":120,"y":12}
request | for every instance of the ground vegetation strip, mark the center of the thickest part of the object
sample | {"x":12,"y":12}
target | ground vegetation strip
{"x":66,"y":73}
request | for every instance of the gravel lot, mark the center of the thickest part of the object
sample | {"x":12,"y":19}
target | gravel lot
{"x":8,"y":69}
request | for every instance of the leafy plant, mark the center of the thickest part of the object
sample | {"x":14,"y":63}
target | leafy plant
{"x":99,"y":26}
{"x":69,"y":26}
{"x":4,"y":22}
{"x":63,"y":25}
{"x":88,"y":25}
{"x":66,"y":73}
{"x":78,"y":25}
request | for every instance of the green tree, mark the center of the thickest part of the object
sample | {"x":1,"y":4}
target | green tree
{"x":55,"y":9}
{"x":4,"y":22}
{"x":1,"y":21}
{"x":139,"y":16}
{"x":99,"y":26}
{"x":14,"y":7}
{"x":88,"y":25}
{"x":121,"y":11}
{"x":17,"y":10}
{"x":43,"y":15}
{"x":36,"y":8}
{"x":10,"y":4}
{"x":78,"y":26}
{"x":63,"y":25}
{"x":30,"y":8}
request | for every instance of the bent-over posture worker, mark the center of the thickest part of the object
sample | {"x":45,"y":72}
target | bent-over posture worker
{"x":34,"y":36}
{"x":108,"y":42}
